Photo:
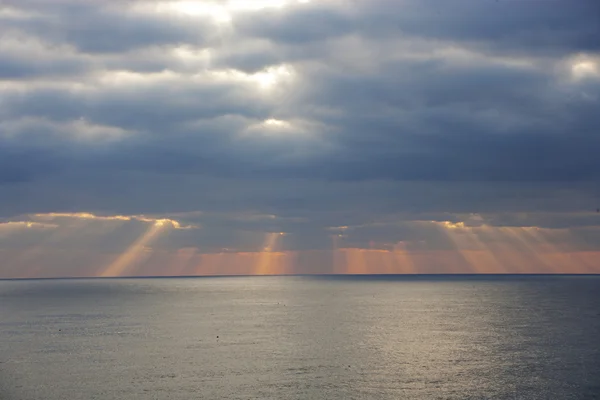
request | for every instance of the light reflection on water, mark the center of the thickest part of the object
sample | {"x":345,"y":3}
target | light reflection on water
{"x":301,"y":337}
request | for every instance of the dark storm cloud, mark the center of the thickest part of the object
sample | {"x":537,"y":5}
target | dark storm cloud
{"x":440,"y":100}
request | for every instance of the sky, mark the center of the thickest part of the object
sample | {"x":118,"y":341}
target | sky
{"x":148,"y":137}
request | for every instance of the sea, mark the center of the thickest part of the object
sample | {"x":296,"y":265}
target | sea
{"x":301,"y":337}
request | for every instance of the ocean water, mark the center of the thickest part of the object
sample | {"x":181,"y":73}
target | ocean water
{"x":301,"y":338}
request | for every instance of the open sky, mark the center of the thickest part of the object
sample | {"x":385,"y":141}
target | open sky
{"x":147,"y":137}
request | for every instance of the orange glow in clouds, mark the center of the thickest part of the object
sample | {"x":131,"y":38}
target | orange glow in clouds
{"x":64,"y":244}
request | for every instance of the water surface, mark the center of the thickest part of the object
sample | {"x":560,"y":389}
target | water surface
{"x":301,"y":338}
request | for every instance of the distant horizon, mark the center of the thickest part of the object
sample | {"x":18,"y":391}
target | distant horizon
{"x":303,"y":275}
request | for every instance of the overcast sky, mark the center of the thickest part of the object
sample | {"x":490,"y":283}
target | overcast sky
{"x":147,"y":137}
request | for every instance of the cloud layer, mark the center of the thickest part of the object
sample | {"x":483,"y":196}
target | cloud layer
{"x":246,"y":119}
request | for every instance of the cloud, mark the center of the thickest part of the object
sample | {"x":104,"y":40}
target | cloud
{"x":25,"y":225}
{"x":376,"y":115}
{"x":89,"y":216}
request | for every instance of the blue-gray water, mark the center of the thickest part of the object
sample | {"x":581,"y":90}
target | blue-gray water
{"x":301,"y":338}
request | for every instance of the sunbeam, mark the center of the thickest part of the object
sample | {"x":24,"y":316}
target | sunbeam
{"x":557,"y":243}
{"x":386,"y":260}
{"x":535,"y":261}
{"x":354,"y":261}
{"x":467,"y":256}
{"x":337,"y":259}
{"x":30,"y":263}
{"x":269,"y":260}
{"x":212,"y":264}
{"x":404,"y":262}
{"x":502,"y":249}
{"x":182,"y":260}
{"x":480,"y":258}
{"x":135,"y":252}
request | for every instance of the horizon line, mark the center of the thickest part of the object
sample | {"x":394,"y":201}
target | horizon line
{"x":420,"y":275}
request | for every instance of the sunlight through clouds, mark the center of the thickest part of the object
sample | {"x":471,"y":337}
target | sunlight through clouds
{"x":489,"y":249}
{"x":477,"y":248}
{"x":584,"y":67}
{"x":265,"y":80}
{"x":60,"y":231}
{"x":223,"y":11}
{"x":269,"y":257}
{"x":135,"y":253}
{"x":218,"y":13}
{"x":183,"y":136}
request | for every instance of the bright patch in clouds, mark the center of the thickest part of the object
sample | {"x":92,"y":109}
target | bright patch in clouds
{"x":267,"y":79}
{"x":277,"y":123}
{"x":223,"y":12}
{"x":585,"y":69}
{"x":272,"y":76}
{"x":303,"y":131}
{"x":451,"y":225}
{"x":198,"y":8}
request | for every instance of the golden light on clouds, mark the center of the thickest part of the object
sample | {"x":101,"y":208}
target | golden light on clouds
{"x":452,"y":225}
{"x":93,"y":217}
{"x":83,"y":215}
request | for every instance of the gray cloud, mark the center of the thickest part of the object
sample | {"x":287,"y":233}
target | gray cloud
{"x":323,"y":114}
{"x":511,"y":26}
{"x":105,"y":27}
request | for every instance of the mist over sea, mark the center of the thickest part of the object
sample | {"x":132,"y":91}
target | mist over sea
{"x":354,"y":337}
